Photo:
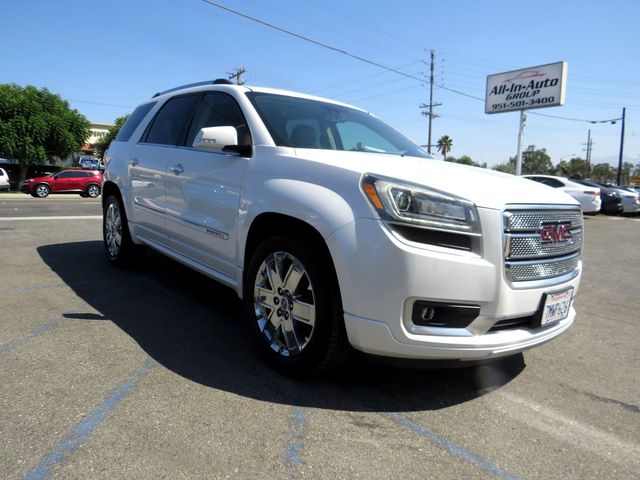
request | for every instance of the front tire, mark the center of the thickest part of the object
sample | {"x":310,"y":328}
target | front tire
{"x":293,"y":304}
{"x":41,"y":191}
{"x":118,"y":245}
{"x":93,"y":191}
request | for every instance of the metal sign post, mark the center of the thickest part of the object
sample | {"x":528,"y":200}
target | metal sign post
{"x":523,"y":121}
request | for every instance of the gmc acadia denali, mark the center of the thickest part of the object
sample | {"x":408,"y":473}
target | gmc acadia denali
{"x":337,"y":231}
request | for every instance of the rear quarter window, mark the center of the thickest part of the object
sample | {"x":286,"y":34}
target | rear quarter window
{"x":133,"y":121}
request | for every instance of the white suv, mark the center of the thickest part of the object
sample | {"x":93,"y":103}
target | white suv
{"x":337,"y":231}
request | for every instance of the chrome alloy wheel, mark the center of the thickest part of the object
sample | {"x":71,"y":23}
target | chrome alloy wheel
{"x":42,"y":190}
{"x":113,"y":229}
{"x":284,"y":303}
{"x":93,"y":191}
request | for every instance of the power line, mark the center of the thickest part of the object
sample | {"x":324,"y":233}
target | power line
{"x":374,"y":63}
{"x":333,"y":32}
{"x":324,"y":8}
{"x":359,"y":79}
{"x":310,"y":40}
{"x":393,"y":80}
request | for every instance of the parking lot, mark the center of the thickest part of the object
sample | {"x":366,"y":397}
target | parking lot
{"x":149,"y":373}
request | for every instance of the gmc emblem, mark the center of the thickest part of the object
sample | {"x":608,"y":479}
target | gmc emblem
{"x":555,"y":232}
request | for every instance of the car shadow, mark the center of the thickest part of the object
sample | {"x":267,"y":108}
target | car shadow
{"x":194,"y":327}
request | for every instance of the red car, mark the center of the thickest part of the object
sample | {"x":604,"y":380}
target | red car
{"x":85,"y":182}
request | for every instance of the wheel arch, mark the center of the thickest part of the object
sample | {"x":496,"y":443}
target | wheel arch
{"x":270,"y":224}
{"x":110,"y":188}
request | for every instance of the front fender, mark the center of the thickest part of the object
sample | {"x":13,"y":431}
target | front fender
{"x":322,"y":208}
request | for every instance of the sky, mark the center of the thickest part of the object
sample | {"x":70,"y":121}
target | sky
{"x":107,"y":57}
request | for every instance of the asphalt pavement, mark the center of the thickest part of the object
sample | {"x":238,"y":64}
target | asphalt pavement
{"x":148,"y":373}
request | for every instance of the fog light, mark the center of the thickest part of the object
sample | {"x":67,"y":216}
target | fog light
{"x":443,"y":315}
{"x":428,"y":313}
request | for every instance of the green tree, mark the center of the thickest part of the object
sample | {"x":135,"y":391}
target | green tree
{"x":534,"y":161}
{"x":508,"y":167}
{"x":625,"y":173}
{"x":465,"y":160}
{"x":603,"y":172}
{"x":101,"y":145}
{"x":444,"y":145}
{"x":574,"y":168}
{"x":38,"y":126}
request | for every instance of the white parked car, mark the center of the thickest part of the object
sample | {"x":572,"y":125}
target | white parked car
{"x":4,"y":179}
{"x":337,"y":231}
{"x":589,"y":197}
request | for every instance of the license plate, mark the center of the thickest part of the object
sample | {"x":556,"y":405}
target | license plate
{"x":556,"y":306}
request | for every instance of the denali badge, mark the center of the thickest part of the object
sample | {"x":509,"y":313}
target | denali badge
{"x":555,"y":232}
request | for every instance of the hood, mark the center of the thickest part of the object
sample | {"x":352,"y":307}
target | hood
{"x":486,"y":188}
{"x":42,"y":178}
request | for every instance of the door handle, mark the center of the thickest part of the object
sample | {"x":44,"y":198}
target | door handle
{"x":177,"y":169}
{"x":133,"y":162}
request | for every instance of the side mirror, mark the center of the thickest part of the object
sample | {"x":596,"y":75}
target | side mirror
{"x":216,"y":139}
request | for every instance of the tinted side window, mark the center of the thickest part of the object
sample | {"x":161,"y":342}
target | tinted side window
{"x":133,"y":121}
{"x":552,"y":182}
{"x":169,"y":125}
{"x":219,"y":109}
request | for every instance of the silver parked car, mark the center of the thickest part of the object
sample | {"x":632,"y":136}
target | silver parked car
{"x":630,"y":200}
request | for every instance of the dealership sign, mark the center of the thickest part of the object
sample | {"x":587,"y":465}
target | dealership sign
{"x":534,"y":87}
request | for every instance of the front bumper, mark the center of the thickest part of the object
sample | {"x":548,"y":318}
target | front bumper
{"x":381,"y":277}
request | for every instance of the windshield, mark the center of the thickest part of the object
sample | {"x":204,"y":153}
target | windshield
{"x":303,"y":123}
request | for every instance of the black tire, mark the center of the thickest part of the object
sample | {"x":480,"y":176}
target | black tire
{"x":93,"y":191}
{"x":321,"y":347}
{"x":119,"y":247}
{"x":41,"y":190}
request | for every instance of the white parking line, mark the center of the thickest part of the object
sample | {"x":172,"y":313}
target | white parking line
{"x":72,"y":217}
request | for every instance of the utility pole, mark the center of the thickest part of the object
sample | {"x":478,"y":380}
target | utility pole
{"x":587,"y":165}
{"x":430,"y":113}
{"x":621,"y":148}
{"x":237,"y":75}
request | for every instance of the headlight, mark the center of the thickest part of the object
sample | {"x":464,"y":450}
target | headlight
{"x":400,"y":202}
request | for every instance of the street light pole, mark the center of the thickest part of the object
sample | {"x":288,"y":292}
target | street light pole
{"x":618,"y":180}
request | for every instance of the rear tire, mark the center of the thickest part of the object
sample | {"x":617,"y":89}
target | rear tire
{"x":119,"y":247}
{"x":292,"y":302}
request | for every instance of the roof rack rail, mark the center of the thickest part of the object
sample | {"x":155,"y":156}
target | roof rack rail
{"x":218,"y":81}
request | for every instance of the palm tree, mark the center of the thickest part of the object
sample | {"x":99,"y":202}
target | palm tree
{"x":444,"y":145}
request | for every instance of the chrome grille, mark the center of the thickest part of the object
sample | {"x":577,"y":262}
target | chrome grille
{"x":515,"y":220}
{"x":524,"y":271}
{"x":526,"y":257}
{"x":530,"y":246}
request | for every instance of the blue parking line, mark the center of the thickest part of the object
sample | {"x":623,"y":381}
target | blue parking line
{"x":72,"y":443}
{"x":16,"y":342}
{"x":295,"y":444}
{"x":52,"y":324}
{"x":451,"y":447}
